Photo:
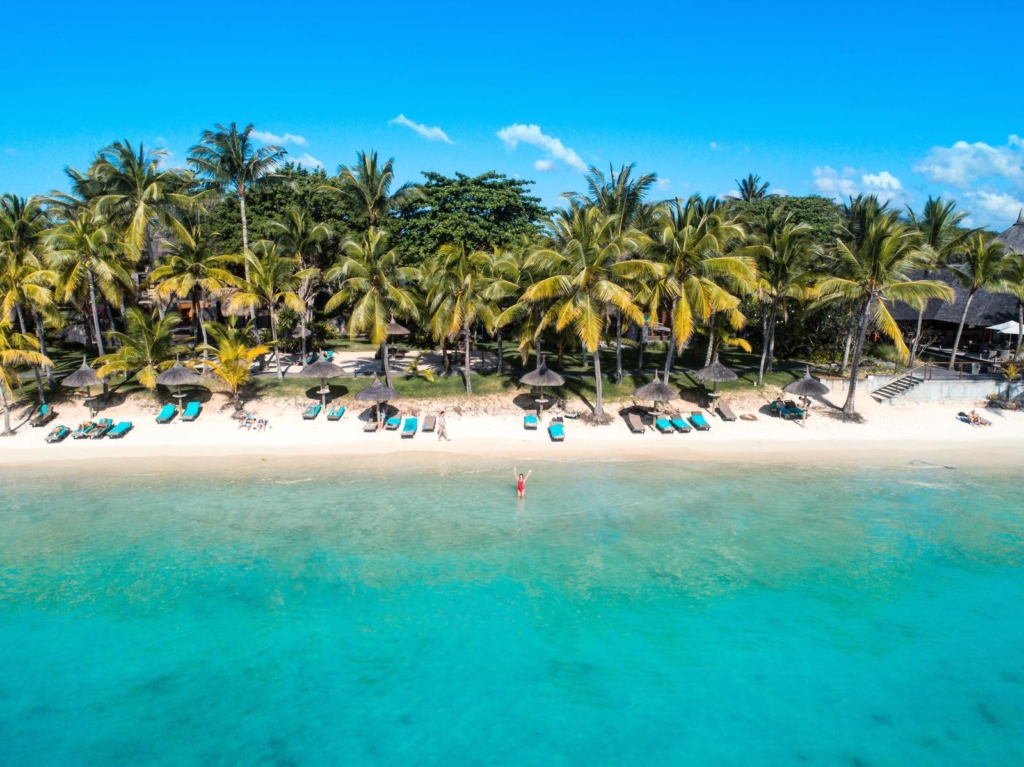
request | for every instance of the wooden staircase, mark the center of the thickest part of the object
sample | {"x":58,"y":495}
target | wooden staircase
{"x":898,"y":387}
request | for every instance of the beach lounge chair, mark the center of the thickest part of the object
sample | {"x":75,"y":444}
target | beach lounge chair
{"x":371,"y":425}
{"x":311,"y":359}
{"x":557,"y":432}
{"x":409,"y":429}
{"x":779,"y":409}
{"x":329,"y":355}
{"x":84,"y":431}
{"x":311,"y":412}
{"x":664,"y":426}
{"x":44,"y":416}
{"x":103,"y":426}
{"x":635,"y":423}
{"x":679,"y":423}
{"x":120,"y":430}
{"x":392,"y":423}
{"x":167,"y":414}
{"x":726,"y":412}
{"x":192,"y":411}
{"x":429,"y":423}
{"x":530,"y":422}
{"x":335,"y":413}
{"x":795,"y":412}
{"x":697,"y":419}
{"x":58,"y":434}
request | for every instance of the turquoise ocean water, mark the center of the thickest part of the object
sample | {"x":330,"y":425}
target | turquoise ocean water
{"x":624,"y":614}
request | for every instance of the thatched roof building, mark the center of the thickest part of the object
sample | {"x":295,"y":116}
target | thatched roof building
{"x":1013,"y":237}
{"x":986,"y":308}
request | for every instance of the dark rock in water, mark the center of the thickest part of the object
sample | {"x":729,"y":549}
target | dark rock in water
{"x":882,"y":719}
{"x":987,"y":715}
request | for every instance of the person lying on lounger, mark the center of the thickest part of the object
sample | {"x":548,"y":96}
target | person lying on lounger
{"x":976,"y":420}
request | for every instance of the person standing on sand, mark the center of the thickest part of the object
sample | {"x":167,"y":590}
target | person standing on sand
{"x":521,"y":481}
{"x":442,"y":430}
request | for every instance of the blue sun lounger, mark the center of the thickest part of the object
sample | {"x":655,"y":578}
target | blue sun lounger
{"x":393,"y":423}
{"x":697,"y":419}
{"x":192,"y":411}
{"x":85,"y":430}
{"x":409,"y":429}
{"x":329,"y":355}
{"x":58,"y":434}
{"x":335,"y":413}
{"x":312,"y":412}
{"x":679,"y":423}
{"x":120,"y":430}
{"x":664,"y":426}
{"x":44,"y":416}
{"x":166,"y":414}
{"x":103,"y":427}
{"x":530,"y":422}
{"x":557,"y":432}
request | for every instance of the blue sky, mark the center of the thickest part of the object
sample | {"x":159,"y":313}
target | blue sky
{"x":901,"y":99}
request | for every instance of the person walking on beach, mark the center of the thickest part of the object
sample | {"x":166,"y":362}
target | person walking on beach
{"x":442,"y":430}
{"x":521,"y":482}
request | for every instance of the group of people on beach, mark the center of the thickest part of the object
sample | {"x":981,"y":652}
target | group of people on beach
{"x":252,"y":423}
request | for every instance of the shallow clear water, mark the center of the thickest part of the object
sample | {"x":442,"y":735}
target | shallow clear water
{"x":626,"y":613}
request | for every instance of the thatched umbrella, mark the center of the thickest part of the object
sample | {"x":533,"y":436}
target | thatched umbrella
{"x":656,"y":391}
{"x":806,"y":387}
{"x":394,"y":329}
{"x":323,"y":370}
{"x":542,"y":377}
{"x":178,"y":376}
{"x":84,"y":378}
{"x":716,"y":373}
{"x":377,"y":392}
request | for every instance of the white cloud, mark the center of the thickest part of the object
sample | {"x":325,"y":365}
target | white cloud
{"x":714,"y":145}
{"x":732,"y":193}
{"x":271,"y":138}
{"x":513,"y":134}
{"x":840,"y":186}
{"x":431,"y":134}
{"x":308,"y":161}
{"x":780,"y":192}
{"x":663,"y":184}
{"x":544,"y":165}
{"x":963,"y":164}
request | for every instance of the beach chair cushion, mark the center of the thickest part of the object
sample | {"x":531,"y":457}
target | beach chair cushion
{"x":58,"y":434}
{"x":166,"y":415}
{"x":679,"y":424}
{"x":530,"y":422}
{"x":409,"y":429}
{"x":336,"y":413}
{"x":84,"y":430}
{"x":697,"y":419}
{"x":312,"y":412}
{"x":103,"y":426}
{"x":794,"y":411}
{"x":192,"y":410}
{"x":664,"y":426}
{"x":393,"y":422}
{"x":120,"y":430}
{"x":44,"y":416}
{"x":556,"y":432}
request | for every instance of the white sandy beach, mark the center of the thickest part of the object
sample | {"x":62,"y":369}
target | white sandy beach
{"x":493,"y":427}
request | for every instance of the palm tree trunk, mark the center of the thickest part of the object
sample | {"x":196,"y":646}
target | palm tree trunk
{"x":387,"y":364}
{"x":302,"y":326}
{"x":917,"y":336}
{"x":598,"y":399}
{"x":277,"y":348}
{"x":766,"y":325}
{"x":640,"y":349}
{"x":468,"y":371}
{"x":850,"y":406}
{"x":95,"y":314}
{"x":670,"y":354}
{"x":1020,"y":328}
{"x":7,"y":411}
{"x":618,"y":347}
{"x":849,"y":340}
{"x":41,"y":335}
{"x":245,"y":246}
{"x":711,"y":337}
{"x":35,"y":368}
{"x":960,"y":329}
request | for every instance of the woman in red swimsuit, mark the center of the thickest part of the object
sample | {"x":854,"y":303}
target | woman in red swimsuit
{"x":521,"y":481}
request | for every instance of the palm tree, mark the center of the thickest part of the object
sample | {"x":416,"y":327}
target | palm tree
{"x":584,"y":268}
{"x":622,"y":196}
{"x":24,"y":280}
{"x":192,"y":269}
{"x":1014,"y":284}
{"x":369,"y":274}
{"x":461,"y":291}
{"x":272,"y":282}
{"x":132,"y":191}
{"x":145,"y":350}
{"x":939,"y":224}
{"x":16,"y":349}
{"x":785,"y":269}
{"x":227,"y":160}
{"x":367,"y":185}
{"x":86,"y":251}
{"x":875,"y":273}
{"x":299,"y":235}
{"x":982,"y":265}
{"x":690,"y":240}
{"x":752,"y":189}
{"x":233,"y":357}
